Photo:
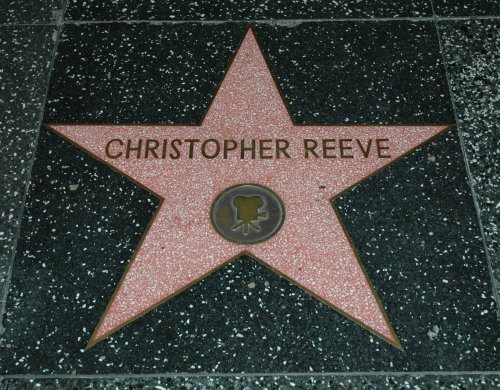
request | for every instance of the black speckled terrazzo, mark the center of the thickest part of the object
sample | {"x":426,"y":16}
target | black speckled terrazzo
{"x":243,"y":10}
{"x":138,"y":73}
{"x":467,"y":7}
{"x":473,"y":58}
{"x":423,"y":382}
{"x":432,"y":282}
{"x":24,"y":69}
{"x":414,"y":224}
{"x":360,"y":72}
{"x":33,"y":11}
{"x":328,"y":73}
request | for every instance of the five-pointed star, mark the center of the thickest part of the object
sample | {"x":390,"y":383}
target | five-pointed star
{"x":181,"y":247}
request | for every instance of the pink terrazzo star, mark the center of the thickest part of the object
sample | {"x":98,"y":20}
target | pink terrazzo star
{"x":312,"y":248}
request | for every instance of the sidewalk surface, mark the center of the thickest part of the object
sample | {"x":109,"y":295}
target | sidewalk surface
{"x":425,"y":228}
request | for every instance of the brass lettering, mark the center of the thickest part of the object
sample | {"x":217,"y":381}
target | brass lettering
{"x":366,"y":152}
{"x":263,"y":148}
{"x":176,"y":153}
{"x":229,"y":145}
{"x":327,"y":148}
{"x":191,"y":143}
{"x":164,"y":149}
{"x":310,"y":148}
{"x":151,"y":146}
{"x":204,"y":148}
{"x":381,"y":147}
{"x":281,"y":148}
{"x":133,"y":149}
{"x":108,"y":153}
{"x":343,"y":148}
{"x":248,"y":148}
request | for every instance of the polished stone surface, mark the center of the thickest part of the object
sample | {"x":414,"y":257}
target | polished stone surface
{"x":309,"y":253}
{"x":320,"y":382}
{"x":413,"y":224}
{"x":346,"y":72}
{"x":25,"y":59}
{"x":31,"y":12}
{"x":224,"y":10}
{"x":473,"y":63}
{"x":467,"y":7}
{"x":120,"y":73}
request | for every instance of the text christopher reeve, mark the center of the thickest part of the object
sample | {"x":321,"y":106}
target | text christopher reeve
{"x":328,"y":148}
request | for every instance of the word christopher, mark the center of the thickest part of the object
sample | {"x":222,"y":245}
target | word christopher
{"x":144,"y":148}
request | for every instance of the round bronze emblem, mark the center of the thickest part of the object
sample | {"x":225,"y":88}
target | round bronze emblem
{"x":247,"y":213}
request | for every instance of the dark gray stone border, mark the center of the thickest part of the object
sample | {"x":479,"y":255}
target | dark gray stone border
{"x":420,"y":380}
